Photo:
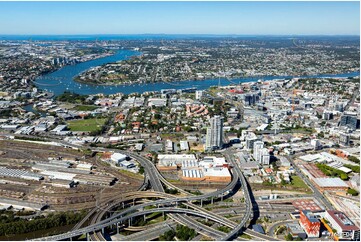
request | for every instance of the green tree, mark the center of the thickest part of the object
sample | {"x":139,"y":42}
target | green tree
{"x":288,"y":237}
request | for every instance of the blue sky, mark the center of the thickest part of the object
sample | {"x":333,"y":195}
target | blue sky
{"x":245,"y":18}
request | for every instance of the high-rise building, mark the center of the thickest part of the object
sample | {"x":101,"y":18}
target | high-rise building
{"x":265,"y":157}
{"x":350,"y":120}
{"x":257,"y":147}
{"x":214,"y":138}
{"x":310,"y":223}
{"x":199,"y":94}
{"x":261,"y":154}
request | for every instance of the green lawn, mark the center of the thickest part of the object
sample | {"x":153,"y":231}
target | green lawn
{"x":298,"y":182}
{"x":85,"y":108}
{"x":86,"y":125}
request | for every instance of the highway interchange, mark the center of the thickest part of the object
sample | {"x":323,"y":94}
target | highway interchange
{"x":104,"y":217}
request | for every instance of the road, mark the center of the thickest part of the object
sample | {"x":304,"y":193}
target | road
{"x":318,"y":195}
{"x":155,"y":181}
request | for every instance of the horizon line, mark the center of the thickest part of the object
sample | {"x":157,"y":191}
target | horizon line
{"x":157,"y":34}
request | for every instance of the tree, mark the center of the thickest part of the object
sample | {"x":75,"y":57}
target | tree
{"x":288,"y":237}
{"x":354,"y":159}
{"x":353,"y":192}
{"x":167,"y":236}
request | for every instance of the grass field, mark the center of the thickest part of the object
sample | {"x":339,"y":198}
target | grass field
{"x":298,"y":182}
{"x":85,"y":108}
{"x":86,"y":125}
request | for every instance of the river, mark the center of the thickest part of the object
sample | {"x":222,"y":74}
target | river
{"x":62,"y":80}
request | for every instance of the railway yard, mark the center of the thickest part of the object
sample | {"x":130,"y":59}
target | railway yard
{"x":212,"y":216}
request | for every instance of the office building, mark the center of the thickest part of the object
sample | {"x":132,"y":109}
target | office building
{"x":214,"y":138}
{"x":310,"y":223}
{"x":345,"y":228}
{"x":350,"y":120}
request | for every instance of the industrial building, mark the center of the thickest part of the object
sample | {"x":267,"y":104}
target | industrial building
{"x":117,"y":158}
{"x":171,"y":162}
{"x":169,"y":145}
{"x":345,"y":228}
{"x":310,"y":223}
{"x":331,"y":184}
{"x":184,"y":145}
{"x":6,"y":172}
{"x":95,"y":180}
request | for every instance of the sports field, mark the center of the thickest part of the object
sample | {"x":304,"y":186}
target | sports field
{"x":86,"y":125}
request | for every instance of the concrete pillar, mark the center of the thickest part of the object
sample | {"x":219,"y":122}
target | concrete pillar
{"x":163,"y":213}
{"x":144,"y":217}
{"x":118,"y":228}
{"x":87,"y":236}
{"x":103,"y":230}
{"x":176,"y":204}
{"x":133,"y":201}
{"x":212,"y":200}
{"x":201,"y":203}
{"x":123,"y":204}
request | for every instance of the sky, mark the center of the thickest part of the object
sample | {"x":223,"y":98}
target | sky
{"x":241,"y":18}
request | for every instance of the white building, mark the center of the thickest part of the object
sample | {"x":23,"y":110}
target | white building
{"x":184,"y":145}
{"x":261,"y":154}
{"x":214,"y":138}
{"x":346,"y":229}
{"x":118,"y":157}
{"x":199,"y":94}
{"x":168,"y":145}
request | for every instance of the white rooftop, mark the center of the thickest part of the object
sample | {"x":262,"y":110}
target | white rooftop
{"x":330,"y":182}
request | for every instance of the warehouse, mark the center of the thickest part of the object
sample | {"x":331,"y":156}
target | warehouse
{"x":127,"y":164}
{"x":5,"y":172}
{"x":95,"y":180}
{"x":192,"y":175}
{"x":62,"y":183}
{"x":171,"y":162}
{"x":58,"y":175}
{"x":83,"y":166}
{"x":22,"y":204}
{"x":184,"y":145}
{"x":217,"y":174}
{"x":330,"y":184}
{"x":118,"y":157}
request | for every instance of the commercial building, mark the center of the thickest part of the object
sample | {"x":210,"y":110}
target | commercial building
{"x":345,"y":228}
{"x":310,"y":223}
{"x":214,"y":138}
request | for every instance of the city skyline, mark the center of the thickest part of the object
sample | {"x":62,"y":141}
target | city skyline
{"x":214,"y":18}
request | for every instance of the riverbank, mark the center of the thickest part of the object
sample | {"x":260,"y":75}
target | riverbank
{"x":63,"y":80}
